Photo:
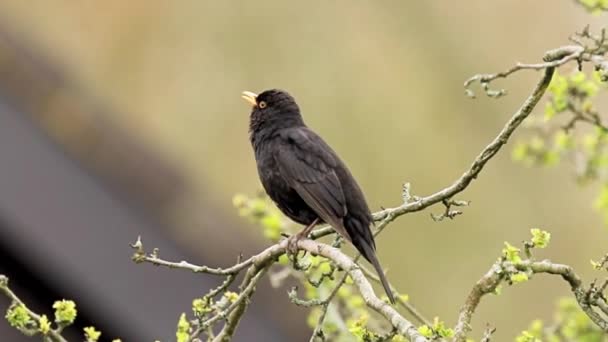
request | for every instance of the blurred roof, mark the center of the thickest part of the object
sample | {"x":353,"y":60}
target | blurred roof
{"x":65,"y":231}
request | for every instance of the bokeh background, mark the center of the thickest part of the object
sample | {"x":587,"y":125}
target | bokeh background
{"x":124,"y":118}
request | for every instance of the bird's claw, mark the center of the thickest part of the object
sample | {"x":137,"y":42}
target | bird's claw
{"x":292,"y":244}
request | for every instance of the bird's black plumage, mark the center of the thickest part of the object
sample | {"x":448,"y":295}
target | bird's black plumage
{"x":305,"y":177}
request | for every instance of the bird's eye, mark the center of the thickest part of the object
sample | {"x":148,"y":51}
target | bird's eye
{"x":262,"y":104}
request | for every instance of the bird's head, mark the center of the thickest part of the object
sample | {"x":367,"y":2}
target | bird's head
{"x":273,"y":109}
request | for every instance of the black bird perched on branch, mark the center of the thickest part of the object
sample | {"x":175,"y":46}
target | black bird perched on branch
{"x":305,"y":177}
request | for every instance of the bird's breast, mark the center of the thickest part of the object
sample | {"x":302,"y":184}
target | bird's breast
{"x":278,"y":189}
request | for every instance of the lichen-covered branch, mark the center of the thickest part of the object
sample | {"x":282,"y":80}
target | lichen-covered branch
{"x":260,"y":263}
{"x":553,"y":59}
{"x":503,"y":269}
{"x":402,"y":325}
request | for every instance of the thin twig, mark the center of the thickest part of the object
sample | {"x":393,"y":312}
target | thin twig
{"x":565,"y":54}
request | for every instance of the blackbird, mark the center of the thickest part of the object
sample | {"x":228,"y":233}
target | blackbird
{"x":305,"y":177}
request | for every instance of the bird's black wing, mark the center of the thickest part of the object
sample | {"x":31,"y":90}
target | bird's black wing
{"x":308,"y":165}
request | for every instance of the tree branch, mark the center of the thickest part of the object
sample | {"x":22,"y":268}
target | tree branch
{"x":140,"y":256}
{"x":257,"y":265}
{"x":501,"y":270}
{"x":402,"y":325}
{"x":4,"y":289}
{"x":388,"y":215}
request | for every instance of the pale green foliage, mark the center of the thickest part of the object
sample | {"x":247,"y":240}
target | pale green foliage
{"x":18,"y":317}
{"x":231,"y":296}
{"x":259,"y":210}
{"x":358,"y":328}
{"x":202,"y":306}
{"x":596,"y":265}
{"x":183,"y":329}
{"x":518,"y":277}
{"x":526,"y":336}
{"x":594,"y":6}
{"x":570,"y":324}
{"x":348,"y":316}
{"x":574,"y":323}
{"x":511,"y":253}
{"x":568,"y":94}
{"x":556,"y":136}
{"x":91,"y":334}
{"x":65,"y":311}
{"x":44,"y":326}
{"x":437,"y":331}
{"x":540,"y":238}
{"x":425,"y":331}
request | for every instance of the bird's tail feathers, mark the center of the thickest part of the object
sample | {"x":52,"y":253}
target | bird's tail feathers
{"x":370,"y":255}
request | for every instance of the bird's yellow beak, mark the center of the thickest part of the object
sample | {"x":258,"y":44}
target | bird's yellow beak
{"x":250,"y":97}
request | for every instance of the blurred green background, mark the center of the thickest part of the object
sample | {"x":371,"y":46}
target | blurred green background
{"x":380,"y":81}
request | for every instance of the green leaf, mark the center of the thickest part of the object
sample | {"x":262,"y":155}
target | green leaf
{"x":202,"y":306}
{"x":519,"y":277}
{"x":44,"y":326}
{"x":65,"y":311}
{"x":511,"y":253}
{"x":17,"y":316}
{"x":540,"y":238}
{"x":425,"y":331}
{"x":358,"y":328}
{"x":91,"y":334}
{"x":183,"y":329}
{"x":231,"y":296}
